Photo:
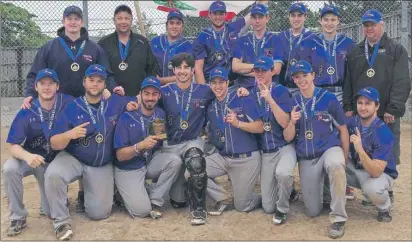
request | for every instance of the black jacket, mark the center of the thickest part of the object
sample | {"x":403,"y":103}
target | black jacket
{"x":391,"y":77}
{"x":140,"y":60}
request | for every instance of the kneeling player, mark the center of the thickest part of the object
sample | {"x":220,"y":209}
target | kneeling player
{"x":234,"y":121}
{"x":29,"y":137}
{"x":139,"y":156}
{"x":318,"y":147}
{"x":372,"y":166}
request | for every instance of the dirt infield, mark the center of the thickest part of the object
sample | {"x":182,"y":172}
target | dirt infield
{"x":362,"y":223}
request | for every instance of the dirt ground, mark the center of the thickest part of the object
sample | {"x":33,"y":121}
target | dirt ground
{"x":256,"y":225}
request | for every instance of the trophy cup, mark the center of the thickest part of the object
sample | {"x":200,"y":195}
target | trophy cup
{"x":158,"y":128}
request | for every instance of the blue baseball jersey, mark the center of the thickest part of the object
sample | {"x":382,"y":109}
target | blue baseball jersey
{"x":318,"y":132}
{"x":175,"y":101}
{"x":87,"y":150}
{"x":248,"y":52}
{"x":164,"y":52}
{"x":314,"y":52}
{"x":273,"y":139}
{"x":132,"y":128}
{"x":29,"y":131}
{"x":207,"y":47}
{"x":236,"y":141}
{"x":290,"y":46}
{"x":377,"y":141}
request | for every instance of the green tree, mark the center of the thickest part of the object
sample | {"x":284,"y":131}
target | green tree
{"x":18,"y":28}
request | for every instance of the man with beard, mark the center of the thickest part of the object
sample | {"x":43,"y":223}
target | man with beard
{"x":278,"y":156}
{"x":166,"y":46}
{"x":290,"y":44}
{"x":139,"y":156}
{"x":29,"y":137}
{"x":84,"y":132}
{"x":372,"y":166}
{"x":214,"y":45}
{"x":234,"y":121}
{"x":319,"y":150}
{"x":254,"y":45}
{"x":130,"y":56}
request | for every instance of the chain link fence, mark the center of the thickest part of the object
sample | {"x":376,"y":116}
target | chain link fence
{"x":27,"y":25}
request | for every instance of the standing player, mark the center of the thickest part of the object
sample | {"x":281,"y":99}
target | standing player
{"x":166,"y":46}
{"x":85,"y":131}
{"x":290,"y":44}
{"x":318,"y":148}
{"x":327,"y":53}
{"x":69,"y":55}
{"x":139,"y":156}
{"x":372,"y":167}
{"x":278,"y":156}
{"x":251,"y":46}
{"x":130,"y":55}
{"x":214,"y":45}
{"x":234,"y":122}
{"x":29,"y":137}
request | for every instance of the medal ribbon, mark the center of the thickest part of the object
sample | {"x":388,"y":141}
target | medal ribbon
{"x":169,"y":50}
{"x":312,"y":109}
{"x":47,"y":127}
{"x":184,"y":113}
{"x":218,"y":45}
{"x":266,"y":112}
{"x":327,"y":55}
{"x":258,"y":51}
{"x":123,"y":52}
{"x":219,"y":118}
{"x":371,"y":60}
{"x":69,"y":51}
{"x":94,"y":119}
{"x":291,"y":39}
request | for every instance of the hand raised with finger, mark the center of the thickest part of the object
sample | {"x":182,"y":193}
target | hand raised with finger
{"x":78,"y":131}
{"x":295,"y":115}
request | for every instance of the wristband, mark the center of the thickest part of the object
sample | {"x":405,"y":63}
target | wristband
{"x":136,"y":149}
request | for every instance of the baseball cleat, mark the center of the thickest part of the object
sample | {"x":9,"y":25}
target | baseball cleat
{"x":280,"y":218}
{"x":80,"y":202}
{"x":155,"y":213}
{"x":219,"y":208}
{"x":384,"y":217}
{"x":16,"y":227}
{"x":336,"y":230}
{"x":198,"y":217}
{"x":64,"y":232}
{"x":294,"y":195}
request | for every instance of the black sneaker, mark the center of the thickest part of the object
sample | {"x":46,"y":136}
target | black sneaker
{"x":279,"y":218}
{"x":198,"y":217}
{"x":64,"y":232}
{"x":219,"y":208}
{"x":391,"y":197}
{"x":80,"y":202}
{"x":178,"y":204}
{"x":336,"y":230}
{"x":294,"y":195}
{"x":16,"y":227}
{"x":156,"y":212}
{"x":384,"y":217}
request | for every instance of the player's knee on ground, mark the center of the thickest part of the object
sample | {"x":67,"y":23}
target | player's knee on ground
{"x":98,"y":209}
{"x":139,"y":210}
{"x":313,"y":211}
{"x":269,"y":208}
{"x":376,"y":193}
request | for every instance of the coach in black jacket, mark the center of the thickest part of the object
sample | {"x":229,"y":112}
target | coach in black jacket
{"x":130,"y":55}
{"x":386,"y":70}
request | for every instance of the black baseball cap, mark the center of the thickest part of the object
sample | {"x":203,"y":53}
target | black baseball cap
{"x":123,"y":8}
{"x":73,"y":9}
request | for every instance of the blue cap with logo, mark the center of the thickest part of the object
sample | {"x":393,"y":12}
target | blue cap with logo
{"x":217,"y":6}
{"x":219,"y":72}
{"x":298,"y":7}
{"x":150,"y":81}
{"x":372,"y":15}
{"x":259,"y":9}
{"x":263,"y":62}
{"x":46,"y":73}
{"x":370,"y":93}
{"x":175,"y":13}
{"x":72,"y":9}
{"x":96,"y":69}
{"x":329,"y":9}
{"x":301,"y":66}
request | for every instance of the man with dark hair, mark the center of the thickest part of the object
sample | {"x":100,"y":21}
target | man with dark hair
{"x":130,"y":56}
{"x":166,"y":46}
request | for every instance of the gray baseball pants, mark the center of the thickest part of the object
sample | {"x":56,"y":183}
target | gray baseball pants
{"x":164,"y":168}
{"x":312,"y":174}
{"x":98,"y":186}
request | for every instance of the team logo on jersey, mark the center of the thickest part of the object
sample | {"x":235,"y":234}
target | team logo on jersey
{"x":381,"y":51}
{"x":323,"y":116}
{"x":132,"y":125}
{"x":80,"y":116}
{"x":85,"y":141}
{"x":38,"y":142}
{"x":267,"y":52}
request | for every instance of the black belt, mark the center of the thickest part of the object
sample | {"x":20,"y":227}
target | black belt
{"x":237,"y":156}
{"x":271,"y":150}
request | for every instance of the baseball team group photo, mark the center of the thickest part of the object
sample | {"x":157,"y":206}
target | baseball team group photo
{"x":240,"y":132}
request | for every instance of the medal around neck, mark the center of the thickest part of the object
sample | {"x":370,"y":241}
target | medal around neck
{"x":267,"y":127}
{"x":331,"y":70}
{"x":123,"y":66}
{"x":293,"y":62}
{"x":75,"y":66}
{"x":184,"y":125}
{"x":370,"y":72}
{"x":219,"y":56}
{"x":158,"y":128}
{"x":169,"y":65}
{"x":309,"y":134}
{"x":99,"y":138}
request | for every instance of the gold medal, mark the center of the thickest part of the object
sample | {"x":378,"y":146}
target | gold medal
{"x":99,"y":138}
{"x":75,"y":66}
{"x":222,"y":139}
{"x":169,"y":65}
{"x":219,"y":56}
{"x":123,"y":66}
{"x":267,"y":127}
{"x":330,"y":70}
{"x":370,"y":72}
{"x":184,"y":125}
{"x":309,"y":134}
{"x":293,"y":62}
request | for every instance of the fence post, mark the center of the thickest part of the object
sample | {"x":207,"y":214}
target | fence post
{"x":20,"y":78}
{"x":86,"y":14}
{"x":405,"y":42}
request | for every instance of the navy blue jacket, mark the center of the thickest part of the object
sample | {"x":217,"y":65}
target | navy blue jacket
{"x":53,"y":55}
